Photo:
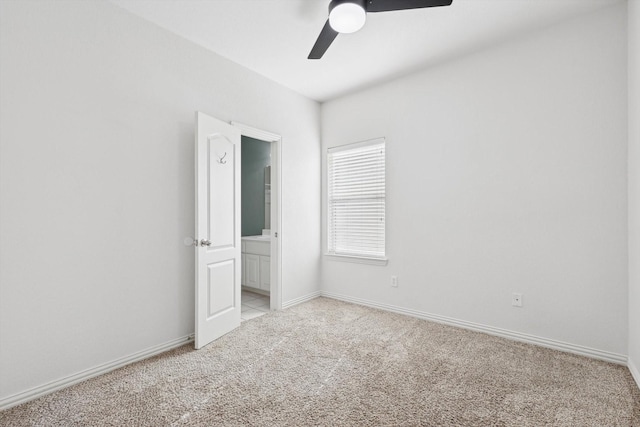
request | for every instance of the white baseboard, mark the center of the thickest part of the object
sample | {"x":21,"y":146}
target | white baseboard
{"x":301,"y":299}
{"x":635,"y":373}
{"x":48,"y":388}
{"x":516,"y":336}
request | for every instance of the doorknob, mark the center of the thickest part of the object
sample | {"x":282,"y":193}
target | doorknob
{"x":205,"y":242}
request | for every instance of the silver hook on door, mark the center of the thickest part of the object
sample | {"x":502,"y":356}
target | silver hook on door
{"x":221,"y":160}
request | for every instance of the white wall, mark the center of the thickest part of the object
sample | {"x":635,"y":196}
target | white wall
{"x":634,"y":187}
{"x":96,"y":186}
{"x":506,"y":172}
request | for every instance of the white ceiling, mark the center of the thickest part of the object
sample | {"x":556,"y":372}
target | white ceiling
{"x":274,"y":37}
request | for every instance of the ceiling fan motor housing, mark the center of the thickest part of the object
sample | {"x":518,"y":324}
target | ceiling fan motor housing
{"x":347,"y":16}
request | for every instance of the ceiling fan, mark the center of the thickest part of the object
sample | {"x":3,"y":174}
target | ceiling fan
{"x":348,"y":16}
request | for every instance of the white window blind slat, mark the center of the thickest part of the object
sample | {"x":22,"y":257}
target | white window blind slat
{"x":356,"y":199}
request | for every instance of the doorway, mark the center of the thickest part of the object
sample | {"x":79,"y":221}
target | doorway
{"x":260,"y":221}
{"x":255,"y":227}
{"x":218,"y":241}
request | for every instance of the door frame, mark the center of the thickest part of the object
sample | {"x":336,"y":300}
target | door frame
{"x":276,"y":207}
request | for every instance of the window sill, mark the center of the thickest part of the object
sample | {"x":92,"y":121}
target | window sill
{"x":357,"y":259}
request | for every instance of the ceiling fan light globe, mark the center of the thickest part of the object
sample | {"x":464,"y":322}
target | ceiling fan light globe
{"x":347,"y":17}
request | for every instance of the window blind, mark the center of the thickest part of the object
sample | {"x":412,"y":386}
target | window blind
{"x":356,"y":199}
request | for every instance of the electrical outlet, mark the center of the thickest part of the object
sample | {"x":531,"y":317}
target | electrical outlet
{"x":394,"y":281}
{"x":516,"y":300}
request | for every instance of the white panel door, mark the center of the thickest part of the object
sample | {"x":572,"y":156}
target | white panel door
{"x":218,"y":251}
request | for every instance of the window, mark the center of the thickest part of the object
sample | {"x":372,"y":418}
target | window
{"x":356,"y":199}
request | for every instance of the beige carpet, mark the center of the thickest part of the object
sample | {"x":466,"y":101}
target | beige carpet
{"x":328,"y":363}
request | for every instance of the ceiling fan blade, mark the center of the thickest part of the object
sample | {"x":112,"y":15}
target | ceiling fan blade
{"x":326,"y":37}
{"x":389,"y":5}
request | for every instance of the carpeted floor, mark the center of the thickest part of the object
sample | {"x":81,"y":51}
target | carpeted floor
{"x":329,"y":363}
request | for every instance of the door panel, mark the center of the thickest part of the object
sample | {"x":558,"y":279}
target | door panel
{"x":218,"y":262}
{"x":221,"y":155}
{"x":220,"y":296}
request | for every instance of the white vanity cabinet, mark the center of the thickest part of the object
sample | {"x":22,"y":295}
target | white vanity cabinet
{"x":252,"y":270}
{"x":265,"y":273}
{"x":256,"y":262}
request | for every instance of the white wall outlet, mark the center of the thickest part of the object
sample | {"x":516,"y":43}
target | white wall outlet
{"x":394,"y":281}
{"x":516,"y":300}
